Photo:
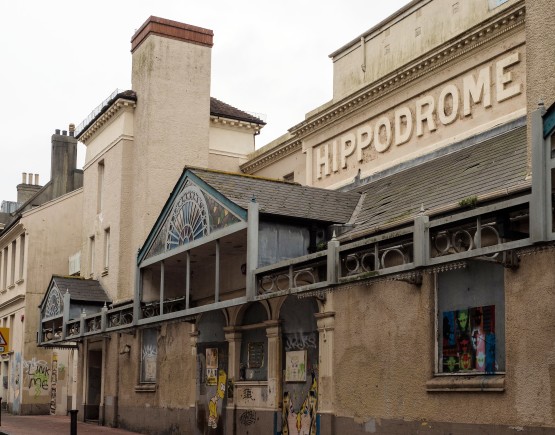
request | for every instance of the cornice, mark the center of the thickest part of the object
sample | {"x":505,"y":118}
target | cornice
{"x":116,"y":107}
{"x":12,"y":301}
{"x":265,"y":159}
{"x":235,"y":123}
{"x":473,"y":38}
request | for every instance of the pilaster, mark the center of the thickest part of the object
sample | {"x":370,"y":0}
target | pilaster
{"x":326,"y":325}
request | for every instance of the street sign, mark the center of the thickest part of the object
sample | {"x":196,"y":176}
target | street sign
{"x":4,"y":340}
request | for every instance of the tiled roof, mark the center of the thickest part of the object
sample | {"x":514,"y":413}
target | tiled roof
{"x":219,"y":108}
{"x":81,"y":289}
{"x":282,"y":198}
{"x":494,"y":165}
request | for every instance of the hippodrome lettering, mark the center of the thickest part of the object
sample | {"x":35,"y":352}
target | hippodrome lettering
{"x":397,"y":127}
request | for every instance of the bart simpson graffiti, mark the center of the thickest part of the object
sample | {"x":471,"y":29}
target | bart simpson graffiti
{"x":36,"y":375}
{"x":215,"y":403}
{"x":303,"y":421}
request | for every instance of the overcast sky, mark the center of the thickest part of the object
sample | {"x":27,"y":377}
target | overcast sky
{"x":60,"y":59}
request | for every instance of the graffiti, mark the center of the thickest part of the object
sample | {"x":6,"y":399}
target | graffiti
{"x":61,"y":371}
{"x":300,"y":341}
{"x":16,"y":384}
{"x":302,"y":421}
{"x":53,"y":383}
{"x":149,"y":351}
{"x":248,"y":417}
{"x":216,"y":400}
{"x":36,"y":374}
{"x":247,"y":394}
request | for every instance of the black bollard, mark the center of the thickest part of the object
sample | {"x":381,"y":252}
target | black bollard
{"x":73,"y":430}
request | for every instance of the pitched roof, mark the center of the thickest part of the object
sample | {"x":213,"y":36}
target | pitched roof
{"x":498,"y":164}
{"x":282,"y":198}
{"x":81,"y":289}
{"x":219,"y":108}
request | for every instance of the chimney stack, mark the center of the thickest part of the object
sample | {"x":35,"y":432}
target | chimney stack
{"x":27,"y":188}
{"x":63,"y":163}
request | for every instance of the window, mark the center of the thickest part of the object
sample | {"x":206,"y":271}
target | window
{"x":3,"y":267}
{"x":106,"y":249}
{"x":289,"y":177}
{"x":149,"y":354}
{"x":471,"y":319}
{"x":100,"y":196}
{"x":91,"y":255}
{"x":21,"y":256}
{"x":12,"y":268}
{"x":495,"y":3}
{"x":254,"y":345}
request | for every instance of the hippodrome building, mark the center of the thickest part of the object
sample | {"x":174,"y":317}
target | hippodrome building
{"x":384,"y":267}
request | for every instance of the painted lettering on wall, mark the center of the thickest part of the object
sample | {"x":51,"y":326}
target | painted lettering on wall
{"x":36,"y":376}
{"x":248,"y":417}
{"x":300,"y":341}
{"x":53,"y":383}
{"x":424,"y":115}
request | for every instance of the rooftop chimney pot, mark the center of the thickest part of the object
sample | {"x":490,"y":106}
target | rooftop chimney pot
{"x":36,"y":179}
{"x":71,"y":129}
{"x":23,"y":177}
{"x":30,"y":178}
{"x":64,"y":132}
{"x":57,"y":131}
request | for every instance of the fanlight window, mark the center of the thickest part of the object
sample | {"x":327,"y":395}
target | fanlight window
{"x":189,"y":218}
{"x":55,"y":304}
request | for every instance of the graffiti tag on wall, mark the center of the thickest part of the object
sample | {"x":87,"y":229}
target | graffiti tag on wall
{"x":303,"y":420}
{"x":53,"y":383}
{"x":36,"y":376}
{"x":16,"y":382}
{"x":299,"y":341}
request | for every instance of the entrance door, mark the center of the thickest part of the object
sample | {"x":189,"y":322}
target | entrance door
{"x":211,"y":387}
{"x":94,"y":376}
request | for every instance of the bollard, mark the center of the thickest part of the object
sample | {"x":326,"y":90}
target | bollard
{"x":73,"y":430}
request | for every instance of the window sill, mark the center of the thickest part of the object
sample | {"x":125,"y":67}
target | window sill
{"x":471,"y":383}
{"x":11,"y":286}
{"x":145,"y":388}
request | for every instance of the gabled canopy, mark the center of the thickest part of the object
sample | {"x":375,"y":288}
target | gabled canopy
{"x":81,"y":290}
{"x":206,"y":201}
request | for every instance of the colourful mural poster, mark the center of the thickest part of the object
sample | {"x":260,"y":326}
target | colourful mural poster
{"x":468,"y":342}
{"x":211,"y":366}
{"x":295,"y":366}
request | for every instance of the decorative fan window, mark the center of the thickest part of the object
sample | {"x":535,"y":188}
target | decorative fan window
{"x":188,"y":218}
{"x":55,"y":304}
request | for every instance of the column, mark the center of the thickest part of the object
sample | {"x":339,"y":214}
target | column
{"x":193,"y":339}
{"x":233,"y":338}
{"x":273,"y":333}
{"x":326,"y":325}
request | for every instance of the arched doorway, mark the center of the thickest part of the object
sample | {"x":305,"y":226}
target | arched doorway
{"x":300,"y":366}
{"x":212,"y":366}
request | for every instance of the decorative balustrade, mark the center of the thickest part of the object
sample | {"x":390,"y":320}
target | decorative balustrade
{"x":304,"y":272}
{"x":120,"y":316}
{"x":93,"y":323}
{"x":73,"y":328}
{"x":170,"y":305}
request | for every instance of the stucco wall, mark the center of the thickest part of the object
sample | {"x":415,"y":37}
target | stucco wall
{"x":385,"y":354}
{"x":398,"y":42}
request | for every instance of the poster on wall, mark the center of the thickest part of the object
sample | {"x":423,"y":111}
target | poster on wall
{"x":469,"y":340}
{"x":295,"y":366}
{"x":211,"y":366}
{"x":256,"y":355}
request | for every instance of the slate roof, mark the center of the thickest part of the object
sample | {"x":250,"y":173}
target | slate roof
{"x":282,"y":198}
{"x":498,"y":164}
{"x":219,"y":108}
{"x":81,"y":289}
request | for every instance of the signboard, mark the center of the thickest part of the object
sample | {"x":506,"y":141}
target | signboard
{"x":4,"y":340}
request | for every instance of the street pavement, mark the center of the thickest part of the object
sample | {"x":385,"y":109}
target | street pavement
{"x":51,"y":424}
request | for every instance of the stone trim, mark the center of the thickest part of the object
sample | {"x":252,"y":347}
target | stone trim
{"x":463,"y":383}
{"x":115,"y":108}
{"x":173,"y":30}
{"x":145,"y":388}
{"x":235,"y":123}
{"x":282,"y":150}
